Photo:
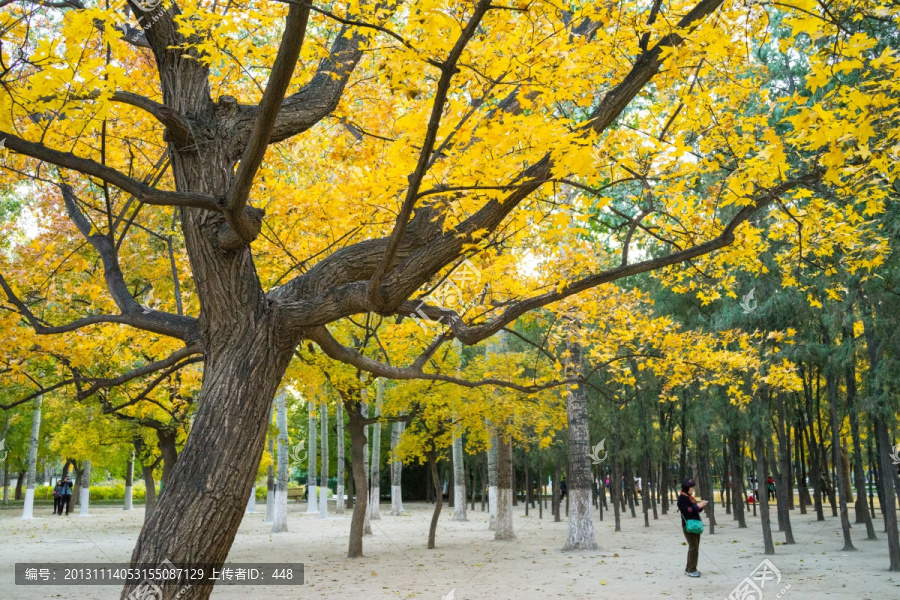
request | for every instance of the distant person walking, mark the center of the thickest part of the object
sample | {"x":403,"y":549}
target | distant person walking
{"x":690,"y":516}
{"x":65,"y":494}
{"x":57,"y":498}
{"x":563,"y":489}
{"x":770,"y":487}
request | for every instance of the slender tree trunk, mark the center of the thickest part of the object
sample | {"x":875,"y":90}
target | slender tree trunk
{"x":556,"y":500}
{"x":270,"y":478}
{"x":129,"y":483}
{"x":85,"y":490}
{"x":831,"y":385}
{"x":737,"y":470}
{"x":279,"y":512}
{"x":493,"y":481}
{"x":581,"y":521}
{"x":729,"y":471}
{"x":645,"y":489}
{"x":504,"y":529}
{"x":704,"y":478}
{"x":785,"y":491}
{"x":439,"y":498}
{"x":150,"y":494}
{"x":358,"y":440}
{"x":339,"y":419}
{"x":615,"y":488}
{"x":312,"y":483}
{"x":763,"y":498}
{"x":375,"y":504}
{"x":800,"y":459}
{"x":364,"y":412}
{"x":324,"y":489}
{"x":862,"y":513}
{"x":34,"y":440}
{"x":6,"y":461}
{"x":397,"y":471}
{"x":459,"y":481}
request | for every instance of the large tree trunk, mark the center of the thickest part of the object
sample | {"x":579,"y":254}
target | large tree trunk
{"x":211,"y":481}
{"x":396,"y":471}
{"x":312,"y":484}
{"x":34,"y":440}
{"x":459,"y":481}
{"x":357,"y":428}
{"x":504,"y":529}
{"x":279,"y":510}
{"x":439,"y":498}
{"x":581,"y":522}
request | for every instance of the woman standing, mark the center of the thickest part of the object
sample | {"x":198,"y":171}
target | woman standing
{"x":57,"y":499}
{"x":690,"y":511}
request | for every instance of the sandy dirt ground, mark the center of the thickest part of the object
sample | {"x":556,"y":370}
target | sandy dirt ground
{"x":638,"y":562}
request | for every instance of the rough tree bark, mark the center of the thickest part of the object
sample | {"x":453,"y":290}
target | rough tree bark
{"x":357,"y":429}
{"x":504,"y":529}
{"x":581,"y":521}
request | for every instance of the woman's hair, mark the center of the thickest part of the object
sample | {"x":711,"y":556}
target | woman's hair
{"x":687,"y":484}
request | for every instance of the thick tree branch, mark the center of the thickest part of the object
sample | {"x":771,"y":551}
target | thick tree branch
{"x":269,"y":106}
{"x":337,"y":351}
{"x":448,"y":69}
{"x":141,"y":191}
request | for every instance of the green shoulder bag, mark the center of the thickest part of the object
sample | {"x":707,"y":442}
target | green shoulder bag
{"x":692,"y":525}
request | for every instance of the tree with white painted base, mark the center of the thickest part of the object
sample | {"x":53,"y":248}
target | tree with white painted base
{"x":459,"y":480}
{"x":312,"y":486}
{"x":323,"y":498}
{"x":279,"y":517}
{"x":28,"y":507}
{"x":85,"y":496}
{"x":375,"y":477}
